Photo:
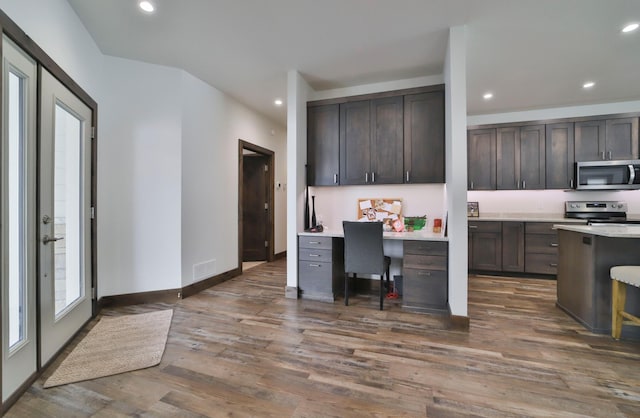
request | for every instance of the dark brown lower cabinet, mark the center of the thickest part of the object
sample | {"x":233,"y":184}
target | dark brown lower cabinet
{"x":425,"y":278}
{"x":320,"y":267}
{"x":541,"y":248}
{"x":513,"y":246}
{"x":485,"y":245}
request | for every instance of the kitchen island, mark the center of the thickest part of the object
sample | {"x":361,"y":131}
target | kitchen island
{"x":586,"y":254}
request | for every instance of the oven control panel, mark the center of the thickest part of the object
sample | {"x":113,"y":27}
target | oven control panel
{"x":595,"y":206}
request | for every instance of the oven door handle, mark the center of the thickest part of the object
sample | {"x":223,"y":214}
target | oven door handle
{"x":632,"y":174}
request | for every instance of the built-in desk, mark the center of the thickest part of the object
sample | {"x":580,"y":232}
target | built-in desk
{"x":422,"y":257}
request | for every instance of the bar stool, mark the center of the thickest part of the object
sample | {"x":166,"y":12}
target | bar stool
{"x":622,"y":276}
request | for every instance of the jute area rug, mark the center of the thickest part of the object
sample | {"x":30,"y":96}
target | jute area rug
{"x":116,"y":345}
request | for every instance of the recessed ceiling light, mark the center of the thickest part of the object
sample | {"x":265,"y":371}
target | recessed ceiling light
{"x":630,"y":27}
{"x":277,"y":102}
{"x":588,"y":85}
{"x":146,"y":6}
{"x":487,"y":96}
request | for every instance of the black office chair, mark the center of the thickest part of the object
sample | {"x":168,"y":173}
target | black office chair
{"x":363,"y":254}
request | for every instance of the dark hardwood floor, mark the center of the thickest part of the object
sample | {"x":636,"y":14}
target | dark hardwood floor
{"x":241,"y":349}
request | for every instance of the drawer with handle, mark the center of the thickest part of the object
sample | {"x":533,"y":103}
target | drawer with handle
{"x":315,"y":255}
{"x":314,"y":242}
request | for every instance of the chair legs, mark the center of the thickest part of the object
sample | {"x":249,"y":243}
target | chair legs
{"x":346,"y":287}
{"x":619,"y":293}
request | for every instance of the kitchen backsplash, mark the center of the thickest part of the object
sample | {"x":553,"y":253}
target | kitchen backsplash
{"x":545,"y":201}
{"x":335,"y":204}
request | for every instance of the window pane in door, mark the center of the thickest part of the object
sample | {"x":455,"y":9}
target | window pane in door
{"x":67,"y":209}
{"x":16,"y":210}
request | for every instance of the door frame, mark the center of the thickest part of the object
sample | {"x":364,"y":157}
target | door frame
{"x":244,"y":145}
{"x":9,"y":28}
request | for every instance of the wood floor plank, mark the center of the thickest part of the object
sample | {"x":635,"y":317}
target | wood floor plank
{"x":242,"y":349}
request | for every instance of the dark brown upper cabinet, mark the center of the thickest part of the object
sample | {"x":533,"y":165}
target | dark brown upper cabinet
{"x":371,"y":141}
{"x":559,"y":155}
{"x":323,"y":145}
{"x":424,"y":138}
{"x":355,"y":142}
{"x":611,"y":139}
{"x":481,"y":159}
{"x":386,"y":141}
{"x":520,"y":158}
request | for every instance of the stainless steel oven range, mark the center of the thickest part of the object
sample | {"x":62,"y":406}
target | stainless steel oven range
{"x":598,"y":212}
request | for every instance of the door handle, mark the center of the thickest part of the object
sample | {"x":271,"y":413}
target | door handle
{"x":47,"y":239}
{"x":407,"y":176}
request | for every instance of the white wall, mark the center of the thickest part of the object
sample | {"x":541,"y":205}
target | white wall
{"x":148,"y":116}
{"x":456,"y":168}
{"x":335,"y":204}
{"x":139,"y":174}
{"x":55,"y":27}
{"x":298,"y":92}
{"x":212,"y":125}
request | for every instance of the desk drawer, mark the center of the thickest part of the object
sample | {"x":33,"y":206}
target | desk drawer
{"x":425,"y":289}
{"x":314,"y":242}
{"x":316,"y":255}
{"x":315,"y":276}
{"x":541,"y":243}
{"x":425,"y":247}
{"x":428,"y":262}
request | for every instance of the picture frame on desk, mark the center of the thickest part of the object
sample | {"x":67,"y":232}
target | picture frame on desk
{"x":473,"y":209}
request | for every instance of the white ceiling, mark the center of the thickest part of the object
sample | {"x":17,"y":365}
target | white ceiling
{"x":529,"y":53}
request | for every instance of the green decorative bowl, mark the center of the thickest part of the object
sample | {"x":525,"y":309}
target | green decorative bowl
{"x":414,"y":223}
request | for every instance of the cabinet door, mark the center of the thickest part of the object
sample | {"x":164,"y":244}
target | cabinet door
{"x":559,"y":161}
{"x":424,"y":138}
{"x":323,"y":145}
{"x":487,"y":251}
{"x":507,"y":152}
{"x":481,"y":159}
{"x":531,"y":157}
{"x":622,"y":139}
{"x":513,"y":246}
{"x":590,"y":140}
{"x":355,"y":134}
{"x":386,"y":141}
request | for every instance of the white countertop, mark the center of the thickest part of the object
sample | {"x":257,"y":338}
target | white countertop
{"x":526,"y":217}
{"x":604,"y":230}
{"x":423,"y":235}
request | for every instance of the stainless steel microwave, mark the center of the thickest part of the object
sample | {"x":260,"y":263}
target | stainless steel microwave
{"x":608,"y":175}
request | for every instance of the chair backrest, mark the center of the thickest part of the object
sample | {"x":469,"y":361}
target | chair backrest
{"x":363,"y":251}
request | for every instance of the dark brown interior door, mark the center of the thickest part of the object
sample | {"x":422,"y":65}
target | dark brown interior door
{"x":254,"y":209}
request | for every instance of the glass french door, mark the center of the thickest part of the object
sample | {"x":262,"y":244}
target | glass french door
{"x":18,"y":240}
{"x":64,"y":215}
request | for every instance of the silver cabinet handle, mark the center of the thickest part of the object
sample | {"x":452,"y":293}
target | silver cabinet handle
{"x":602,"y":154}
{"x":553,"y":264}
{"x":424,"y":273}
{"x":366,"y":177}
{"x":335,"y":179}
{"x":407,"y":176}
{"x":609,"y":154}
{"x":314,"y":242}
{"x":314,"y":255}
{"x":314,"y":265}
{"x":373,"y":177}
{"x":553,"y":244}
{"x":632,"y":174}
{"x":47,"y":239}
{"x":571,"y":184}
{"x":524,"y":185}
{"x":473,"y":226}
{"x":471,"y":184}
